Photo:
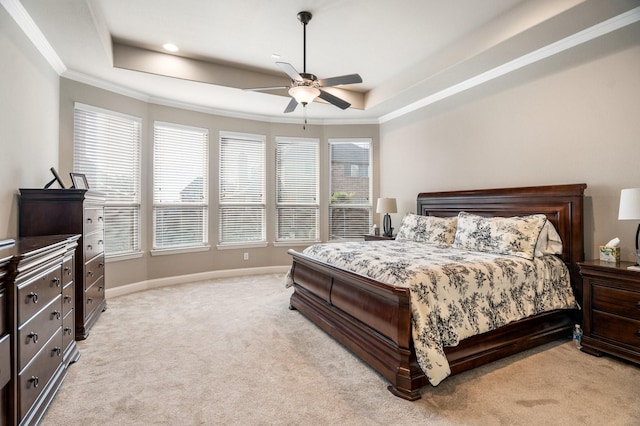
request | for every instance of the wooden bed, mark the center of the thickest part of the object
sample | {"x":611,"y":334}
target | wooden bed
{"x":373,"y":319}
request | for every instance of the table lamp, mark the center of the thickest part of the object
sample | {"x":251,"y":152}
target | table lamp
{"x":630,"y":210}
{"x":387,"y":205}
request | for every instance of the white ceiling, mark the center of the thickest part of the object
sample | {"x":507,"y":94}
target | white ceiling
{"x":410,"y":53}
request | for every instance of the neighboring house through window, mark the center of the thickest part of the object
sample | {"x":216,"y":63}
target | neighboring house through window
{"x":350,"y":208}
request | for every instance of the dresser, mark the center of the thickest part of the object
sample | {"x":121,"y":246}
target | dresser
{"x":611,"y":309}
{"x":35,"y":273}
{"x":72,"y":211}
{"x":5,"y":344}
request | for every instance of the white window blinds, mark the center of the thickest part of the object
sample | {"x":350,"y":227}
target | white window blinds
{"x":106,"y":148}
{"x":180,"y":186}
{"x":350,"y":207}
{"x":242,"y":189}
{"x":297,"y":192}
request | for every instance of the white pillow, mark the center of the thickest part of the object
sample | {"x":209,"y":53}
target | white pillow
{"x":549,"y":241}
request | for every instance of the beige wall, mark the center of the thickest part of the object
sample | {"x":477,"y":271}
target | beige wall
{"x":28,"y":120}
{"x":569,"y":119}
{"x":150,"y":267}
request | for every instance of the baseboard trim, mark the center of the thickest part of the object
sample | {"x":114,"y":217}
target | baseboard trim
{"x":201,"y":276}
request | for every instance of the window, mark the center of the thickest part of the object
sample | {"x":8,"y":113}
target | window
{"x":242,"y":189}
{"x":180,"y":186}
{"x":106,"y":148}
{"x":297,"y":193}
{"x":350,"y":209}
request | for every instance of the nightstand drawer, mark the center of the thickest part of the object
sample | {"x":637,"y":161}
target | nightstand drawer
{"x":624,"y":330}
{"x":619,"y":302}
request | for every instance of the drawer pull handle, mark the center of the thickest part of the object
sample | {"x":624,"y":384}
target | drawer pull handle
{"x":101,"y":265}
{"x":67,"y":331}
{"x":89,"y":247}
{"x":67,"y":299}
{"x":34,"y":380}
{"x":90,"y":273}
{"x":56,"y":281}
{"x":33,"y":296}
{"x":89,"y":300}
{"x":89,"y":220}
{"x":101,"y":288}
{"x":100,"y":219}
{"x":56,"y":314}
{"x":100,"y":242}
{"x":67,"y":270}
{"x":33,"y":336}
{"x":57,"y":350}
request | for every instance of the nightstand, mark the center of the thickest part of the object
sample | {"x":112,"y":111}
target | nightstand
{"x":369,"y":237}
{"x":611,"y":309}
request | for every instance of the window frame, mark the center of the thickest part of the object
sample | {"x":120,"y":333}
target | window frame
{"x":260,"y":205}
{"x":366,"y":205}
{"x":134,"y":205}
{"x":157,"y":205}
{"x":301,"y":205}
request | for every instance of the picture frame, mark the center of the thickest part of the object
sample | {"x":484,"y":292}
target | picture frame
{"x":79,"y":181}
{"x":56,"y":178}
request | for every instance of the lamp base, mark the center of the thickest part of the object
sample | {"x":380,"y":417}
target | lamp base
{"x":386,"y":223}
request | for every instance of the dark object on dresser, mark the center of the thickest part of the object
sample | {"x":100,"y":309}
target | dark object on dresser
{"x":373,"y":319}
{"x":36,"y":324}
{"x":72,"y":211}
{"x":611,"y":309}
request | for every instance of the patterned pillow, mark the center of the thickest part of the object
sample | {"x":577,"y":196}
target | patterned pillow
{"x":515,"y":236}
{"x":427,"y":229}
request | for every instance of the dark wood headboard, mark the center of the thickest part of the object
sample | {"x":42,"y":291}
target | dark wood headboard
{"x":562,"y":204}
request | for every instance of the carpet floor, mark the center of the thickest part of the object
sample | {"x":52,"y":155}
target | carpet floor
{"x":230,"y":352}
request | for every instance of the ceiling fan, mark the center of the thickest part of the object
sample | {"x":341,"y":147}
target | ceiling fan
{"x":306,"y":87}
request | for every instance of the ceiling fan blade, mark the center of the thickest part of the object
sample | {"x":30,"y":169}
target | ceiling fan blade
{"x":289,"y":70}
{"x":343,"y":79}
{"x":292,"y":106}
{"x":257,"y":89}
{"x":340,"y":103}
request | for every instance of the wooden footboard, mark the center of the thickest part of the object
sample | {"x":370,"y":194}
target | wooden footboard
{"x":373,"y":319}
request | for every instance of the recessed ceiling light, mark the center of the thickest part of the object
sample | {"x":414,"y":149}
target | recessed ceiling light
{"x":275,"y":56}
{"x":170,"y":47}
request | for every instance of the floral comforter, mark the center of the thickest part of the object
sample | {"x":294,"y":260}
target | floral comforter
{"x":455,"y":293}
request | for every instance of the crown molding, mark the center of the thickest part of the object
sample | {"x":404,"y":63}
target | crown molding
{"x":31,"y":30}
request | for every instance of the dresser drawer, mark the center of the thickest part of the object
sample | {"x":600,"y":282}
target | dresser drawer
{"x":93,"y":271}
{"x":3,"y":312}
{"x":616,"y":301}
{"x":33,"y":334}
{"x":35,"y":377}
{"x":94,"y":295}
{"x":5,"y":364}
{"x":93,"y":219}
{"x":617,"y":328}
{"x":93,"y":245}
{"x":67,"y":299}
{"x":68,"y":330}
{"x":37,"y":293}
{"x":67,"y":271}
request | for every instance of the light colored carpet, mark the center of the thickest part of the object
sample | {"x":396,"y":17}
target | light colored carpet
{"x":230,"y":352}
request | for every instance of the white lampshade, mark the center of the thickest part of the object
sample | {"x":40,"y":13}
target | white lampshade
{"x":304,"y":94}
{"x":629,"y":204}
{"x":387,"y":205}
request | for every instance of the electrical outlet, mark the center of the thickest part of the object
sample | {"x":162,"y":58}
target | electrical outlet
{"x":246,"y":256}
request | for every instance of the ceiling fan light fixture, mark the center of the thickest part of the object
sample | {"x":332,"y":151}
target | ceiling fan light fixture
{"x":304,"y":94}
